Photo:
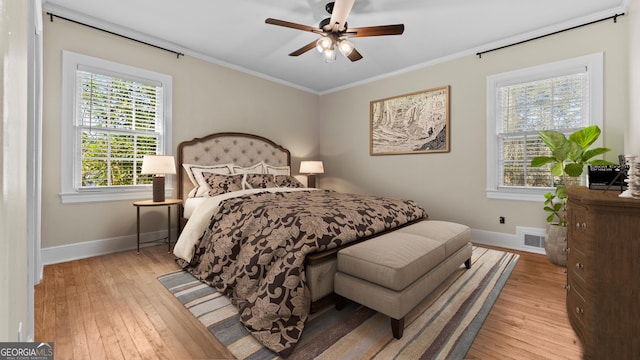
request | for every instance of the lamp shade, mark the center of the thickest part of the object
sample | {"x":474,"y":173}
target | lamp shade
{"x":324,"y":43}
{"x":345,"y":46}
{"x":158,"y":164}
{"x":311,"y":167}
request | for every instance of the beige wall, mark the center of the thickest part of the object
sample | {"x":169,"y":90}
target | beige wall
{"x":451,"y":186}
{"x":632,"y":138}
{"x":334,"y":127}
{"x":206,"y":98}
{"x":14,"y":264}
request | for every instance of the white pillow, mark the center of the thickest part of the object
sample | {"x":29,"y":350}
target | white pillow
{"x":224,"y":169}
{"x":253,"y":169}
{"x":277,"y":170}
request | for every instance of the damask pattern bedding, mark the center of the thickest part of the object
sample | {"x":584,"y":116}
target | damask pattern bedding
{"x":255,"y":247}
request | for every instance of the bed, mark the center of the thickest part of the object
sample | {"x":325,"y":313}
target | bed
{"x":215,"y":221}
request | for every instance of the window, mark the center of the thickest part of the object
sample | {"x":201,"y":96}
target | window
{"x":113,"y":115}
{"x":562,"y":96}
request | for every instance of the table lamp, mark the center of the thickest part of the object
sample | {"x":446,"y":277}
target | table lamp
{"x":311,"y":168}
{"x":158,"y":165}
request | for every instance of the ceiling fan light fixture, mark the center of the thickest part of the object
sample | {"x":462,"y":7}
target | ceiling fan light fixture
{"x":324,"y":43}
{"x":329,"y":55}
{"x":334,"y":33}
{"x":345,"y":46}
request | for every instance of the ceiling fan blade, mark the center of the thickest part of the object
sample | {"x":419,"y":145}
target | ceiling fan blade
{"x":354,"y":55}
{"x":341,"y":10}
{"x":304,"y":49}
{"x":291,"y":25}
{"x":382,"y":30}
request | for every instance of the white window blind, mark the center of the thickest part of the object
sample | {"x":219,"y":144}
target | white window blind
{"x":118,"y":122}
{"x":112,"y":115}
{"x":562,"y":96}
{"x":559,"y":103}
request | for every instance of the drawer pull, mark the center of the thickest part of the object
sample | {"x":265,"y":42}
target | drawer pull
{"x":567,"y":287}
{"x":579,"y":266}
{"x":579,"y":310}
{"x":568,"y":250}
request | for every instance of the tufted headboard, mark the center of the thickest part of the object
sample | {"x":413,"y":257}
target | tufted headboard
{"x":227,"y":147}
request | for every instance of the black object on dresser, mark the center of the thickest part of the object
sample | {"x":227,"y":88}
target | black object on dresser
{"x":603,"y":272}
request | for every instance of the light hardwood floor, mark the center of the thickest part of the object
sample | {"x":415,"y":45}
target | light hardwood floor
{"x":112,"y":307}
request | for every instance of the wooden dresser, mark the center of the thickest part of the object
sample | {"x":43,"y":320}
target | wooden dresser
{"x":603,"y":272}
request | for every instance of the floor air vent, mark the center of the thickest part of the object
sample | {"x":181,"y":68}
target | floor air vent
{"x":534,"y":240}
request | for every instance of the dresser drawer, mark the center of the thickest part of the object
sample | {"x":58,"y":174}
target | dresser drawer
{"x":577,"y":263}
{"x":576,"y":284}
{"x":578,"y":232}
{"x":575,"y":309}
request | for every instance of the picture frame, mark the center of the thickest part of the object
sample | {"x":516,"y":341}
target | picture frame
{"x":413,"y":123}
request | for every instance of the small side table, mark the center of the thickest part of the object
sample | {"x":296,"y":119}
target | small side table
{"x":150,"y":203}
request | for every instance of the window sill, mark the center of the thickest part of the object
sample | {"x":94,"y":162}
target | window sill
{"x":117,"y":195}
{"x":518,"y":194}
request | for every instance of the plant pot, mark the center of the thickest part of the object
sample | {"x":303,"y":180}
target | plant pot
{"x":555,"y":244}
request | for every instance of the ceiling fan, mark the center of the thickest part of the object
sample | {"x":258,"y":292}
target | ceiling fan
{"x":334,"y":32}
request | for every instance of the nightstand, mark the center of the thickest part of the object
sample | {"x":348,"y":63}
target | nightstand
{"x":151,"y":203}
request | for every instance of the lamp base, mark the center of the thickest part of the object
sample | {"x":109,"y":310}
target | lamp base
{"x":311,"y":180}
{"x":158,"y":189}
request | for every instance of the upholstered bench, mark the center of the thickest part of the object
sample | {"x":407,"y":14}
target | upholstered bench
{"x":393,"y":273}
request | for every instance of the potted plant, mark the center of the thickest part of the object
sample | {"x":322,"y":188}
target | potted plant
{"x":568,"y":158}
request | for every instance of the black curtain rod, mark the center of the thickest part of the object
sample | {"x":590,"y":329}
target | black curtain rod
{"x":178,"y":54}
{"x":614,"y":17}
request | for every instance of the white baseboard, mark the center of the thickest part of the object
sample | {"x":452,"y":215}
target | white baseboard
{"x":64,"y":253}
{"x":508,"y":241}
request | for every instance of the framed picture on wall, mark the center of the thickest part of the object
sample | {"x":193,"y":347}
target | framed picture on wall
{"x":414,"y":123}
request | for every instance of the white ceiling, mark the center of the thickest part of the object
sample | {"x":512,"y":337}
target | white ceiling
{"x":233,"y":33}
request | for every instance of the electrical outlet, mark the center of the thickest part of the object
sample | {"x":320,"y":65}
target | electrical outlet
{"x":501,"y":219}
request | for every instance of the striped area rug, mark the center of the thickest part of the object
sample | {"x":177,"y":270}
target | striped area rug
{"x":443,"y":326}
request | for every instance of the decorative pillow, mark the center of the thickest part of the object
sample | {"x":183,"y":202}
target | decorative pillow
{"x":203,"y":185}
{"x":194,"y":172}
{"x":253,"y":169}
{"x":222,"y":184}
{"x":288,"y":181}
{"x":277,"y":170}
{"x":259,"y":181}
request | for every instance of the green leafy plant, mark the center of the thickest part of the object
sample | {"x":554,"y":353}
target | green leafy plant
{"x":568,"y":158}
